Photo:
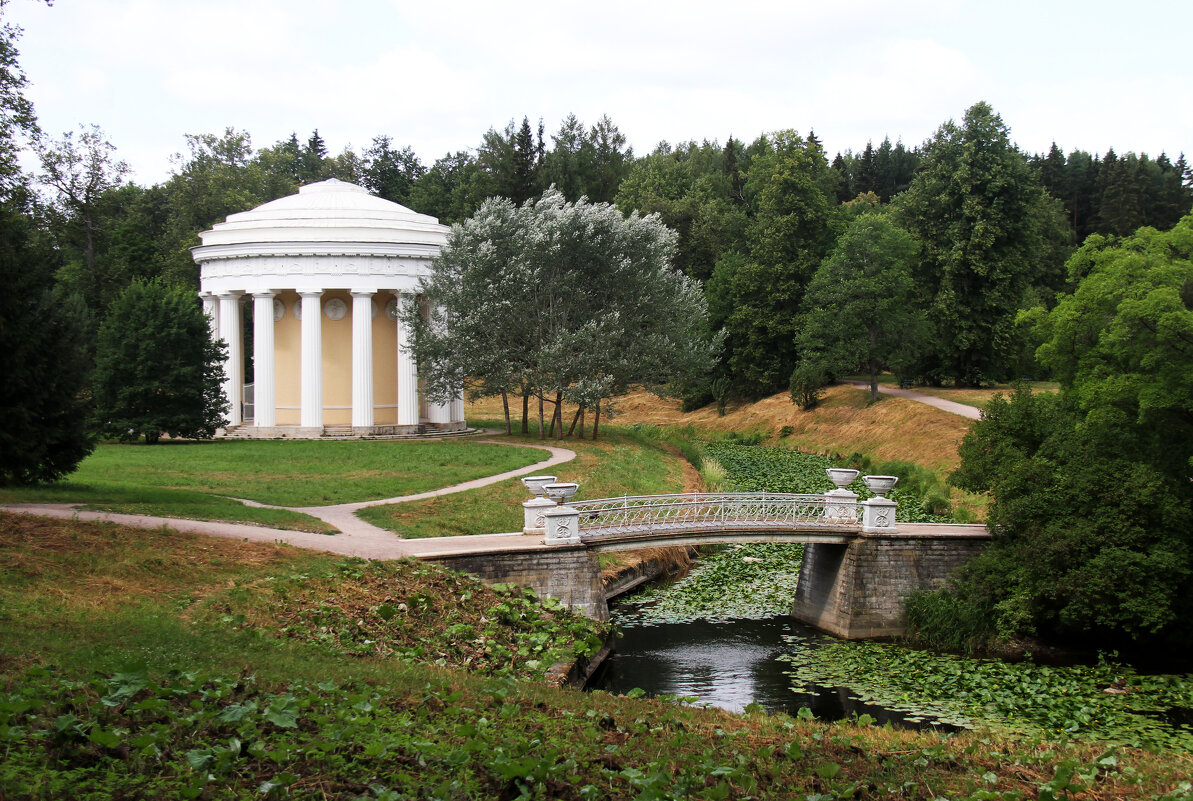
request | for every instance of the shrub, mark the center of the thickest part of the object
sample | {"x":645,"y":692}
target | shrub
{"x":807,"y":384}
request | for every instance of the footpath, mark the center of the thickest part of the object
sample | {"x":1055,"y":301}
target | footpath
{"x":356,"y":537}
{"x":952,"y":407}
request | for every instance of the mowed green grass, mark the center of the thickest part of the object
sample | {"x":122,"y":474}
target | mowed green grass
{"x":200,"y":480}
{"x":619,"y":463}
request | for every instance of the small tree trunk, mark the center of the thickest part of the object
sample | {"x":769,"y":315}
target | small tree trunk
{"x":525,"y":410}
{"x":572,"y":430}
{"x":558,"y":413}
{"x":505,"y":404}
{"x":542,"y":428}
{"x":596,"y":420}
{"x":554,"y":414}
{"x":873,"y":383}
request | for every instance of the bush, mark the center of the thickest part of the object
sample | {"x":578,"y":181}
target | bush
{"x":1091,"y":542}
{"x":948,"y":621}
{"x":807,"y":384}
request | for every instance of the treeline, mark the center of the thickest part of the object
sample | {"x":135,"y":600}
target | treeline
{"x":755,"y":221}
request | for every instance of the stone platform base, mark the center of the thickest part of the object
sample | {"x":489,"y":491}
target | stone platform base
{"x":348,"y":432}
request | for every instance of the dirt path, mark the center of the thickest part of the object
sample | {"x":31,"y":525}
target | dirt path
{"x":356,"y":537}
{"x":971,"y":412}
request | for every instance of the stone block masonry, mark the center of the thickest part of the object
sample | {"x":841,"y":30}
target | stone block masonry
{"x":570,"y":574}
{"x":856,"y":591}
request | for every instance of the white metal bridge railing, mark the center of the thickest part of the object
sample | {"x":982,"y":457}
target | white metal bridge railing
{"x":729,"y":511}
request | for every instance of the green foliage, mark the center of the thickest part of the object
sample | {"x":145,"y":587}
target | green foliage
{"x":157,"y":369}
{"x":860,"y":311}
{"x":1090,"y":541}
{"x":808,"y":380}
{"x":980,"y":217}
{"x":610,"y":315}
{"x":755,"y":582}
{"x":1123,"y":340}
{"x":947,"y":621}
{"x":417,"y":612}
{"x":43,"y":363}
{"x":756,"y":296}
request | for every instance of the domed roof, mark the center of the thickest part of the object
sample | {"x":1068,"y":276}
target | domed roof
{"x":331,"y":234}
{"x":330,"y":211}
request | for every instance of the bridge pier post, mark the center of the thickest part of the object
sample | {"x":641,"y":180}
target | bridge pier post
{"x":563,"y":526}
{"x":856,"y":591}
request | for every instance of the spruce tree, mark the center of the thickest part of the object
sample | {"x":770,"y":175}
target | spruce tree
{"x":157,"y":369}
{"x":43,"y":359}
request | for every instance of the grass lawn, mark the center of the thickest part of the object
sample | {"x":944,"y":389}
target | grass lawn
{"x":152,"y":664}
{"x":195,"y":480}
{"x":618,"y":463}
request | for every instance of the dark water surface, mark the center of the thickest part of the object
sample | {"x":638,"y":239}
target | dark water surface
{"x":729,"y":665}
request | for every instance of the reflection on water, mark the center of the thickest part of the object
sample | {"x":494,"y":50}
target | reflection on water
{"x":728,"y":665}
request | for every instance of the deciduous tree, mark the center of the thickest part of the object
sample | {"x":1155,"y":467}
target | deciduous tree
{"x":860,"y":310}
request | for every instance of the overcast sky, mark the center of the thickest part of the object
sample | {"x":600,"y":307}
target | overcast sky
{"x":436,"y":76}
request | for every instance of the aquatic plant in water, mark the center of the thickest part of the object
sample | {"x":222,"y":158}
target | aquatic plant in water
{"x":1022,"y":697}
{"x":753,"y":582}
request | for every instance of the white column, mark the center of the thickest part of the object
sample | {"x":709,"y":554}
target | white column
{"x":362,"y":357}
{"x":440,"y":413}
{"x":264,"y":393}
{"x":407,"y":369}
{"x":229,"y":322}
{"x":211,"y":307}
{"x":311,"y":396}
{"x":457,"y":409}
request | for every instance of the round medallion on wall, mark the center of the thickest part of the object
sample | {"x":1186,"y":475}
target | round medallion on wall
{"x":391,"y":309}
{"x":335,"y":309}
{"x":279,"y":310}
{"x":298,"y":308}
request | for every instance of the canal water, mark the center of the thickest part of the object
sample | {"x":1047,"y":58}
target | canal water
{"x":730,"y":664}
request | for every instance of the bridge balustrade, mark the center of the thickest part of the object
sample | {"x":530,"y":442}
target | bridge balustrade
{"x":701,"y":512}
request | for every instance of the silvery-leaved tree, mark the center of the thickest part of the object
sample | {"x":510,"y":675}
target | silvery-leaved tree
{"x":561,"y":302}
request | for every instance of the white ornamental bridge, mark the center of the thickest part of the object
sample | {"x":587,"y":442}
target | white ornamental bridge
{"x":643,"y":521}
{"x":858,"y":565}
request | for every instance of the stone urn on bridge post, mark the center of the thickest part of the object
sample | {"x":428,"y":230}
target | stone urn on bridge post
{"x":878,"y":513}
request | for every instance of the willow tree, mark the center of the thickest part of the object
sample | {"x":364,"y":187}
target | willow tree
{"x":565,"y":301}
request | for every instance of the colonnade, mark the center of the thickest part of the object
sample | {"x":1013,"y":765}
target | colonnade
{"x":223,"y":310}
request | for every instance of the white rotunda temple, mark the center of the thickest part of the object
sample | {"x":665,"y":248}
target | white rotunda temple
{"x":326,"y":270}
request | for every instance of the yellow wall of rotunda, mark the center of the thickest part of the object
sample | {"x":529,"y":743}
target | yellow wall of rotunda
{"x":385,"y":364}
{"x":287,"y":349}
{"x":337,"y":361}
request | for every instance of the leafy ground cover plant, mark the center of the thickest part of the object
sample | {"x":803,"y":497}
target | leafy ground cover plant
{"x":754,"y":581}
{"x":1023,"y":698}
{"x":415,"y":612}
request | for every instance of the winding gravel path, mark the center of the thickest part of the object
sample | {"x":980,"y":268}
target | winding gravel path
{"x":356,"y":538}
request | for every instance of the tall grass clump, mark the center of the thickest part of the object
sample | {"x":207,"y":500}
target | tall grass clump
{"x":714,"y":475}
{"x":945,"y":620}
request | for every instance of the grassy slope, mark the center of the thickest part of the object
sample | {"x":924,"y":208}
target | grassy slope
{"x":616,"y":464}
{"x":894,"y":429}
{"x":252,"y":708}
{"x":187,"y":480}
